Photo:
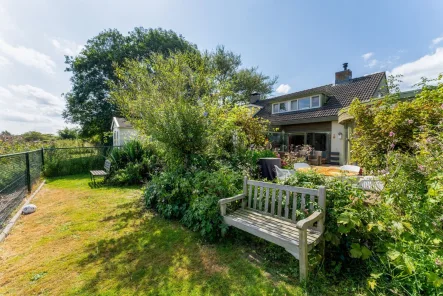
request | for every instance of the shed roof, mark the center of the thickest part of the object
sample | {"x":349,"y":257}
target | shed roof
{"x":120,"y":122}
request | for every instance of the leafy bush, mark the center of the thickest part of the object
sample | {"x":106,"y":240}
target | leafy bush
{"x":193,"y":196}
{"x":392,"y":240}
{"x":62,"y":162}
{"x":133,"y":163}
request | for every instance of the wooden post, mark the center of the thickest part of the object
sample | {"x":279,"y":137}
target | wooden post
{"x":245,"y":192}
{"x":28,"y":173}
{"x":303,"y":254}
{"x":322,"y":204}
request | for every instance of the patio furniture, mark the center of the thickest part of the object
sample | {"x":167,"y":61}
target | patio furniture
{"x":269,"y":211}
{"x":301,"y":165}
{"x":350,"y":168}
{"x":101,"y":173}
{"x":371,"y":183}
{"x":322,"y":159}
{"x":266,"y":165}
{"x":335,"y":158}
{"x":314,"y":160}
{"x":283,"y":174}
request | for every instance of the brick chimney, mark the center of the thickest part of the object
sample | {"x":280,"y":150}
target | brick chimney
{"x":254,"y":97}
{"x":343,"y":76}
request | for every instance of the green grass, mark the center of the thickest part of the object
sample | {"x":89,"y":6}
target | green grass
{"x":101,"y":241}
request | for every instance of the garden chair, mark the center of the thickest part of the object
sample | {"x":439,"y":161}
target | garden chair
{"x":371,"y":183}
{"x":101,"y":173}
{"x":272,"y":212}
{"x":301,"y":165}
{"x":283,"y":174}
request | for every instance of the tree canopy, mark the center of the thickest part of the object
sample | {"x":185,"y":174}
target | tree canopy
{"x":93,"y":71}
{"x":88,"y":101}
{"x":178,"y":101}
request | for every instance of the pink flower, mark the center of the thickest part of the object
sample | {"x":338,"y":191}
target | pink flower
{"x":392,"y":145}
{"x":421,"y":168}
{"x":391,"y":134}
{"x":410,"y":121}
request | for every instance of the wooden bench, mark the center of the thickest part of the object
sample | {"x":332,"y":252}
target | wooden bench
{"x":271,"y":211}
{"x":101,"y":173}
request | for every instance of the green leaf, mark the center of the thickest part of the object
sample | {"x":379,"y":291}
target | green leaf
{"x":366,"y":253}
{"x":372,"y":284}
{"x":343,"y":218}
{"x":434,"y":279}
{"x":409,"y":264}
{"x":393,"y":254}
{"x":355,"y":251}
{"x":376,"y":275}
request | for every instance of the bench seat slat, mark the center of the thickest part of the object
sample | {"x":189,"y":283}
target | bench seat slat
{"x":99,"y":173}
{"x":275,"y":227}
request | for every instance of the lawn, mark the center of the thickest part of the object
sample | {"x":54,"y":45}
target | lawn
{"x":89,"y":241}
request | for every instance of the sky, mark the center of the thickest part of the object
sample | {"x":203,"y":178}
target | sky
{"x":302,"y":42}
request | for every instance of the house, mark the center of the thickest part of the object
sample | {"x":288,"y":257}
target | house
{"x":122,"y":131}
{"x":312,"y":116}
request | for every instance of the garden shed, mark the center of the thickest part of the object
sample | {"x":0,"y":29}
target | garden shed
{"x":122,"y":131}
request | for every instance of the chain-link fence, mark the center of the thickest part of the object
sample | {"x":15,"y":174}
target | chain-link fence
{"x":20,"y":171}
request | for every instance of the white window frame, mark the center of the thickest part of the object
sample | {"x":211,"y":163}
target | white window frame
{"x":288,"y":105}
{"x":319,"y":102}
{"x":306,"y":108}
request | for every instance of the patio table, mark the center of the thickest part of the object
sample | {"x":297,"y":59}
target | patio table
{"x":330,"y":171}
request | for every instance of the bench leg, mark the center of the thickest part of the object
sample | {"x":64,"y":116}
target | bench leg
{"x":303,"y":255}
{"x":321,"y":247}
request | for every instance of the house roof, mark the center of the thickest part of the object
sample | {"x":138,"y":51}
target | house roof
{"x":338,"y":96}
{"x":120,"y":122}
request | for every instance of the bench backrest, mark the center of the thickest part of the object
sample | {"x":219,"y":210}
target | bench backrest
{"x":282,"y":201}
{"x":107,"y":166}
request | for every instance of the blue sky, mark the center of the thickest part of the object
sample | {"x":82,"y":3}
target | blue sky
{"x":303,"y":42}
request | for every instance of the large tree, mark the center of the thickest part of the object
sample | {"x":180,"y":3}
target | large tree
{"x":236,"y":84}
{"x":88,"y":101}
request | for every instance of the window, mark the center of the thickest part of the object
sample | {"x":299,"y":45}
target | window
{"x":304,"y":103}
{"x":315,"y":102}
{"x":275,"y":110}
{"x":283,"y":107}
{"x":298,"y":104}
{"x":280,"y":107}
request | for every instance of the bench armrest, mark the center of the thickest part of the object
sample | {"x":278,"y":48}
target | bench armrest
{"x":224,"y":201}
{"x":307,"y":222}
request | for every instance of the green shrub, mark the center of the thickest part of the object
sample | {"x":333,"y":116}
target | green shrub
{"x":133,"y":163}
{"x":62,"y":162}
{"x":193,"y":196}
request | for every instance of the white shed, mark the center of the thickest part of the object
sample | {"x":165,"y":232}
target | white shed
{"x":122,"y":131}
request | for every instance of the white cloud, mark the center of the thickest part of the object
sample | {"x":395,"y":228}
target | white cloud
{"x":28,"y":56}
{"x":367,"y":56}
{"x":4,"y":61}
{"x":371,"y":63}
{"x":283,"y":88}
{"x":4,"y":93}
{"x":436,"y":41}
{"x":32,"y":109}
{"x":66,"y":47}
{"x":429,"y":66}
{"x":38,"y":95}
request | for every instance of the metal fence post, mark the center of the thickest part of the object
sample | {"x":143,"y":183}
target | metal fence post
{"x":43,"y":157}
{"x":28,"y":173}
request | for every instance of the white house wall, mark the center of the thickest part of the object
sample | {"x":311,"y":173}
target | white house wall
{"x":123,"y":135}
{"x":337,"y":144}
